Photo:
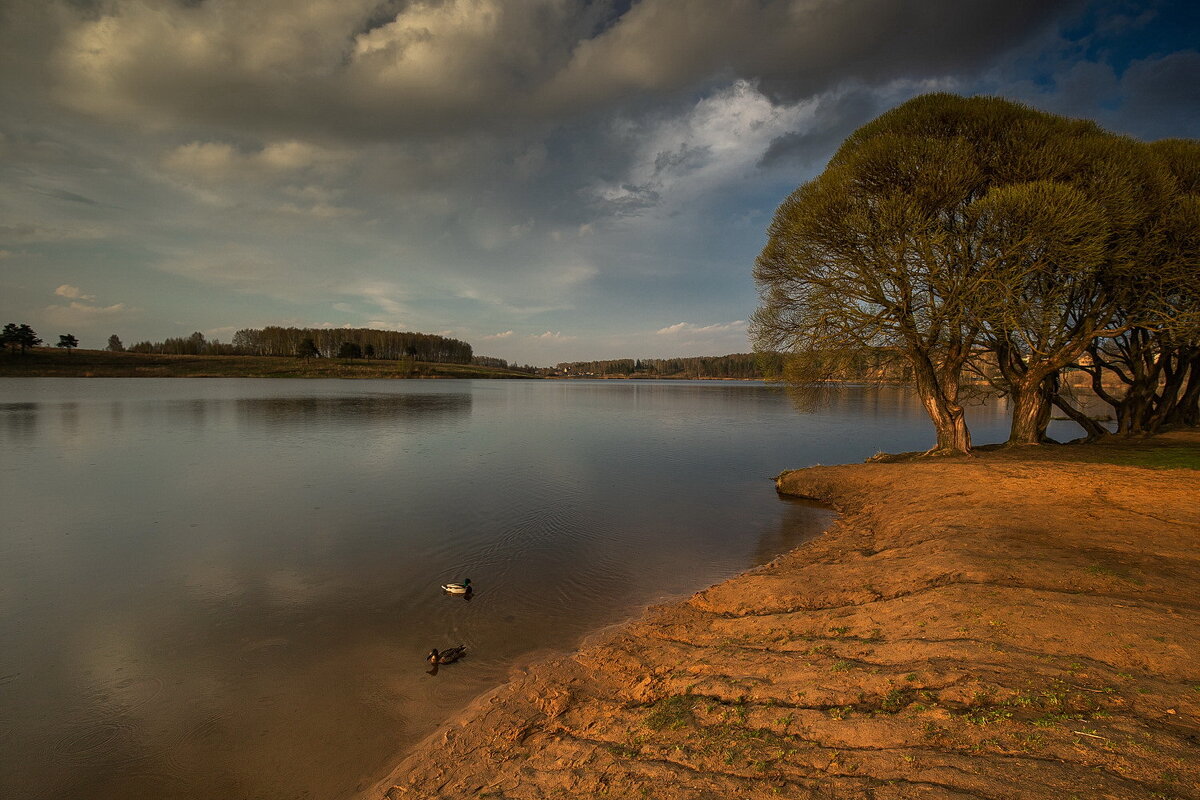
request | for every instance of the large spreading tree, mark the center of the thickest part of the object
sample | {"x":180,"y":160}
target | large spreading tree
{"x":963,"y":234}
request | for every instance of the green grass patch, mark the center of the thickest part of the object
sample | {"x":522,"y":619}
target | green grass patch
{"x":1173,"y":456}
{"x":673,"y":712}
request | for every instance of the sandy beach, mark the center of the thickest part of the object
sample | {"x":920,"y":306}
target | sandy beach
{"x":1022,"y":624}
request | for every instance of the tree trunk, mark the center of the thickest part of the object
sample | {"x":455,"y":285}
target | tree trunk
{"x":1093,"y":429}
{"x":940,"y":399}
{"x":1187,"y":410}
{"x":1031,"y":409}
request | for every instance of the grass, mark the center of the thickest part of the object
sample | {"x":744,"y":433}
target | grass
{"x":52,"y":363}
{"x":1164,"y":456}
{"x":1106,"y":571}
{"x":673,"y":712}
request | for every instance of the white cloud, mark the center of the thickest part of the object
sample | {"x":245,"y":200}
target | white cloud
{"x":548,"y":336}
{"x":318,"y":210}
{"x":383,"y":296}
{"x":690,"y":329}
{"x":76,"y":313}
{"x":214,"y":161}
{"x":73,"y":293}
{"x":719,"y":140}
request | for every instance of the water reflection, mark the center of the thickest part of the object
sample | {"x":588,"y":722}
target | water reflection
{"x":353,"y":410}
{"x":801,"y":521}
{"x":227,"y":589}
{"x":20,"y":421}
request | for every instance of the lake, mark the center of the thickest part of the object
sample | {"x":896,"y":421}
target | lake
{"x":226,"y":588}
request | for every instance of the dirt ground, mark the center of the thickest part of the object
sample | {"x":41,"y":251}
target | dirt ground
{"x":1023,"y":624}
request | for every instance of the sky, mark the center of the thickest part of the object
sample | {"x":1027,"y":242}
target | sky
{"x":549,"y":180}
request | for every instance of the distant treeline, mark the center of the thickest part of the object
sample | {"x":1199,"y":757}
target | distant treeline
{"x":500,"y":363}
{"x":319,"y":342}
{"x":329,"y":342}
{"x":194,"y":345}
{"x":878,"y":365}
{"x":489,"y":361}
{"x":737,"y":365}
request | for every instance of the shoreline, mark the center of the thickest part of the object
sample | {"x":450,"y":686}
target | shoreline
{"x":1019,"y":625}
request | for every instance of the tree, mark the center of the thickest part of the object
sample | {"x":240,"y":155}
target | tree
{"x":1156,"y":357}
{"x":114,"y":344}
{"x":67,"y":341}
{"x":1043,"y":245}
{"x":20,"y":337}
{"x":8,"y":337}
{"x":875,"y":253}
{"x":349,"y":350}
{"x":307,"y":349}
{"x":962,"y":233}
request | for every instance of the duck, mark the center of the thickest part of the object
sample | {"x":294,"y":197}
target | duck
{"x":458,"y":588}
{"x":447,"y":656}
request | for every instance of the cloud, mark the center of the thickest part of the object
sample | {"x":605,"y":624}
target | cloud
{"x":63,"y":194}
{"x":528,"y":167}
{"x":27,"y":232}
{"x":833,"y":117}
{"x":1162,"y":95}
{"x":382,"y":296}
{"x":378,"y":70}
{"x":81,"y":310}
{"x":247,"y":269}
{"x":795,"y":49}
{"x":318,"y":210}
{"x":77,"y":313}
{"x":73,"y":293}
{"x":548,"y":336}
{"x":719,"y":139}
{"x":689,"y":329}
{"x":221,"y":160}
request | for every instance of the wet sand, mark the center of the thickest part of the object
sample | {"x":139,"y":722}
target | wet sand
{"x":1023,"y":624}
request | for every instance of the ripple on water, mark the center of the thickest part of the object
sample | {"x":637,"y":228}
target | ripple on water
{"x":90,"y":740}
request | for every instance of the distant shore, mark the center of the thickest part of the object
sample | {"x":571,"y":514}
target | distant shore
{"x":1022,"y":624}
{"x":51,"y":363}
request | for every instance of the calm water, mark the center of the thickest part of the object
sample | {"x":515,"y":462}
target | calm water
{"x":225,"y":588}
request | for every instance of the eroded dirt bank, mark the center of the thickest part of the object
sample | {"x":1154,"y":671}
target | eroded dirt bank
{"x":1021,"y":625}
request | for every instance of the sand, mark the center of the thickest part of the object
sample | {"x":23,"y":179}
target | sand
{"x":1023,"y":624}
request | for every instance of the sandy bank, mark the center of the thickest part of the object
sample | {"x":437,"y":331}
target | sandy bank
{"x":1020,"y":625}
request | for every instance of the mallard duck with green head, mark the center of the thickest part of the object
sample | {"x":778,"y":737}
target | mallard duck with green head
{"x":447,"y":656}
{"x":458,"y":588}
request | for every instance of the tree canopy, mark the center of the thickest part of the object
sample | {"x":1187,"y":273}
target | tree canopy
{"x":971,"y":235}
{"x":19,"y":336}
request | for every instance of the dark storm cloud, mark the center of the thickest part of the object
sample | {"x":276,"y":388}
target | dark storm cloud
{"x":1155,"y":97}
{"x":365,"y":68}
{"x":796,"y":49}
{"x":1162,"y":96}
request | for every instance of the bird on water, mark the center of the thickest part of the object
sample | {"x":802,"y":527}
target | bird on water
{"x":447,"y":656}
